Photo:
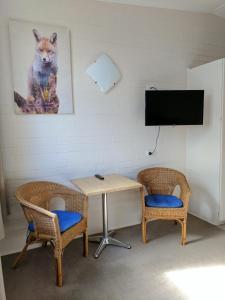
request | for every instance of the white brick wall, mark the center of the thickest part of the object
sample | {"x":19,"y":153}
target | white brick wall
{"x":107,"y":133}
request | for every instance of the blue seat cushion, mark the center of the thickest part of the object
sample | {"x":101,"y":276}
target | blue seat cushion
{"x":163,"y":201}
{"x":66,"y":220}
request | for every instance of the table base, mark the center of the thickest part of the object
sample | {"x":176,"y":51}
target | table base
{"x":106,"y":239}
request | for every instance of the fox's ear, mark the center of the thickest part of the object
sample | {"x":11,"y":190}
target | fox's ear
{"x":36,"y":35}
{"x":53,"y":38}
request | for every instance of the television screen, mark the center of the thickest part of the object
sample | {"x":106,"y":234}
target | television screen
{"x":169,"y":107}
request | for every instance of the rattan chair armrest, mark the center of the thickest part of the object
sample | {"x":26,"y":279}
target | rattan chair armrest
{"x":185,"y":193}
{"x":45,"y":222}
{"x":38,"y":208}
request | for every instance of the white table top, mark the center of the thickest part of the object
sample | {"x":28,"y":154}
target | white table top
{"x":112,"y":183}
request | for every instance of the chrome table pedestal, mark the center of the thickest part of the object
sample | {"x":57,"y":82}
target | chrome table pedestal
{"x":106,"y":238}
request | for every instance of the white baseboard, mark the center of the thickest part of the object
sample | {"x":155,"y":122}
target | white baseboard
{"x":210,"y":222}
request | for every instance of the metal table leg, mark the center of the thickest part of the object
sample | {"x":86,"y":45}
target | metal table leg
{"x":106,"y":238}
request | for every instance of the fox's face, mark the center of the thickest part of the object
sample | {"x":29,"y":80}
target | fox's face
{"x":45,"y":48}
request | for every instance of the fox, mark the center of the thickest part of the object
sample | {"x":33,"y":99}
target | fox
{"x":42,"y":74}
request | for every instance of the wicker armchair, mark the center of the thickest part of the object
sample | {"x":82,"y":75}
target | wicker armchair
{"x":35,"y":199}
{"x":163,"y":181}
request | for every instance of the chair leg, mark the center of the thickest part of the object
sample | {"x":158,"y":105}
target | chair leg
{"x":144,"y":230}
{"x":44,"y":244}
{"x":85,"y":244}
{"x":184,"y":232}
{"x":22,"y":254}
{"x":59,"y":275}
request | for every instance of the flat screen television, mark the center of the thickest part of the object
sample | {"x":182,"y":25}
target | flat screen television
{"x":174,"y":107}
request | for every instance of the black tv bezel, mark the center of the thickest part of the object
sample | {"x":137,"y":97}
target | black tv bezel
{"x":174,"y":124}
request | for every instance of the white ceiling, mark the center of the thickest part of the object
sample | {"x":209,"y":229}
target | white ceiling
{"x":216,"y":7}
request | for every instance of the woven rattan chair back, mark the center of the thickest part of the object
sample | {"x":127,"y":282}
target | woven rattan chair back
{"x":161,"y":180}
{"x":38,"y":192}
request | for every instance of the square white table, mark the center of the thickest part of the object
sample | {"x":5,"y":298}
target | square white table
{"x":91,"y":186}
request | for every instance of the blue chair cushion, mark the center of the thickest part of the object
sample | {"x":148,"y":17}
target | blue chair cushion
{"x":66,"y":219}
{"x":163,"y":201}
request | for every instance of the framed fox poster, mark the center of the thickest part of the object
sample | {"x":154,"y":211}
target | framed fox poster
{"x":41,"y":65}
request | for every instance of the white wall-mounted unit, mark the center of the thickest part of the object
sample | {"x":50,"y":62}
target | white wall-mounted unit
{"x":206,"y":145}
